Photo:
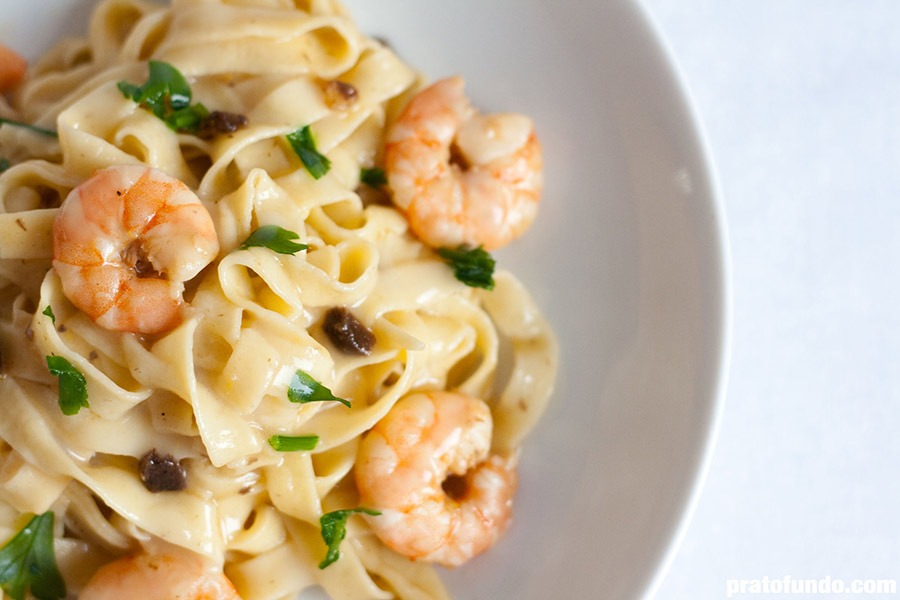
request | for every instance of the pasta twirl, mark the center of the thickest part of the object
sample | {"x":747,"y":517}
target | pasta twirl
{"x":215,"y":394}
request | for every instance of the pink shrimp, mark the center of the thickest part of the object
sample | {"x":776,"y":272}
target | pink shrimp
{"x":124,"y":243}
{"x":159,"y":577}
{"x":426,"y":443}
{"x":462,"y":177}
{"x":12,"y":68}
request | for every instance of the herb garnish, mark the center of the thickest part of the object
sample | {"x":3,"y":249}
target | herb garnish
{"x":293,"y":443}
{"x":4,"y":164}
{"x":274,"y":238}
{"x":304,"y":389}
{"x":167,"y":95}
{"x":304,"y":146}
{"x":29,"y":127}
{"x":472,"y":266}
{"x":334,"y":530}
{"x":373,"y":177}
{"x":72,"y":385}
{"x":49,"y":312}
{"x":27,"y":562}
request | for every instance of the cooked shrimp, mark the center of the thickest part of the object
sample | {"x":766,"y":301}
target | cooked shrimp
{"x":159,"y":577}
{"x":124,"y":243}
{"x":426,"y":443}
{"x":12,"y":68}
{"x":463,"y":177}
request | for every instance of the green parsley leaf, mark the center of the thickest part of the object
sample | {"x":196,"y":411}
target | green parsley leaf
{"x":27,"y":562}
{"x":474,"y":267}
{"x":49,"y":312}
{"x":72,"y":385}
{"x":293,"y":443}
{"x":374,"y":177}
{"x":167,"y":94}
{"x":166,"y":89}
{"x":29,"y":127}
{"x":274,"y":238}
{"x":304,"y":146}
{"x":4,"y":164}
{"x":334,"y":530}
{"x":188,"y":119}
{"x":304,"y":389}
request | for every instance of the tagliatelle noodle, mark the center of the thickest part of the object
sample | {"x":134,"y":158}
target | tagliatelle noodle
{"x":211,"y":391}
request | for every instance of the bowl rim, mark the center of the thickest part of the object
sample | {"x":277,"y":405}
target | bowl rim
{"x":702,"y":459}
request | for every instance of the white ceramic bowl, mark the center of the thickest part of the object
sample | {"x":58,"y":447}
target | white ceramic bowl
{"x":628,"y":259}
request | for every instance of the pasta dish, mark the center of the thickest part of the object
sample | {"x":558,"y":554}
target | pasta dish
{"x":253,"y":338}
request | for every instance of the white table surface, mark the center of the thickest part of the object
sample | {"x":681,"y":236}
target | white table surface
{"x":800,"y":103}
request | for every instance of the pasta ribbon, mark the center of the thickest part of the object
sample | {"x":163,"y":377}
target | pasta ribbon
{"x":207,"y":396}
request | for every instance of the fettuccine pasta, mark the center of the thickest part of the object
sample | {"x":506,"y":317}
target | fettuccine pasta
{"x":209,"y":397}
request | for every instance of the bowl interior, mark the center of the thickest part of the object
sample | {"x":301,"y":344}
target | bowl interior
{"x":628,"y":260}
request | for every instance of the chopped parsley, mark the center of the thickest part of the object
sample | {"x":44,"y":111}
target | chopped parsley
{"x":293,"y":443}
{"x":274,"y":238}
{"x":29,"y":127}
{"x":304,"y":389}
{"x":304,"y":146}
{"x":334,"y":530}
{"x":167,"y":95}
{"x":72,"y":385}
{"x":27,"y":562}
{"x":4,"y":164}
{"x":473,"y":266}
{"x":49,"y":312}
{"x":374,"y":177}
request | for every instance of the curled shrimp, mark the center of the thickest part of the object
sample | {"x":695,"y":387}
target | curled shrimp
{"x":463,"y":177}
{"x":12,"y":68}
{"x":124,"y":243}
{"x":428,"y":442}
{"x":159,"y":577}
